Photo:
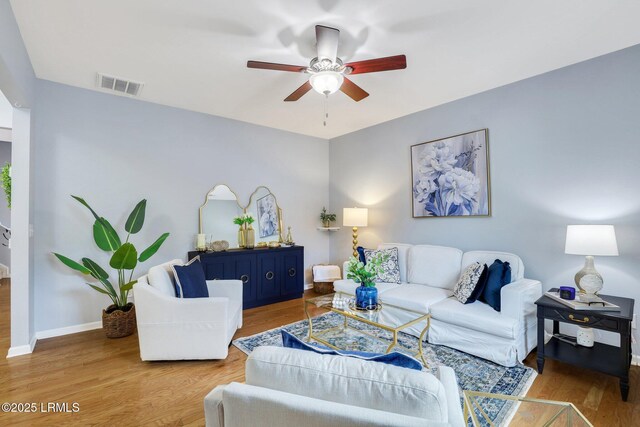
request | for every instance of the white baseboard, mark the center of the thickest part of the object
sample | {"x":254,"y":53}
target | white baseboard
{"x":308,"y":286}
{"x":50,"y":333}
{"x":635,"y":359}
{"x":21,"y":350}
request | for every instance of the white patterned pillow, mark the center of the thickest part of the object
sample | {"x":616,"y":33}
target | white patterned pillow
{"x":468,"y":281}
{"x":390,"y":268}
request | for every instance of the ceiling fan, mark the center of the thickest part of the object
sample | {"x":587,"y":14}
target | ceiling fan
{"x":328,"y":73}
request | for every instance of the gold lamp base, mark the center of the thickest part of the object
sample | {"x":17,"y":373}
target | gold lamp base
{"x":355,"y":242}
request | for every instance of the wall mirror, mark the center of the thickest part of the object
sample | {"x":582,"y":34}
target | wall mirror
{"x":263,"y":206}
{"x":216,"y":214}
{"x":221,"y":206}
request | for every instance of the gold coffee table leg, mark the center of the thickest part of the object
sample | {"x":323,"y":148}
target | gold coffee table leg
{"x":420,"y":346}
{"x":310,"y":321}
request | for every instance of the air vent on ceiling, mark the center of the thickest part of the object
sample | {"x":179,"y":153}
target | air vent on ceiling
{"x":117,"y":84}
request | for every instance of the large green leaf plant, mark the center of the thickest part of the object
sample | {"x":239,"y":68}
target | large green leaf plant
{"x":124,"y":256}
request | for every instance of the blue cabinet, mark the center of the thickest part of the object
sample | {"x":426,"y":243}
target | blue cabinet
{"x":268,"y":275}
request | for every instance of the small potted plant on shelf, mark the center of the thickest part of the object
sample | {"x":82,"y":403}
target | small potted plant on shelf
{"x":327,"y":218}
{"x":365,"y":274}
{"x":119,"y":319}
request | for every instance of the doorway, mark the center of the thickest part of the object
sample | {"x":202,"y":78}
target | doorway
{"x":6,"y":120}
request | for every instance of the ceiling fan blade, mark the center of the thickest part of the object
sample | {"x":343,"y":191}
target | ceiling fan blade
{"x":327,"y":42}
{"x":354,"y":91}
{"x":398,"y":62}
{"x":277,"y":67}
{"x":297,"y":94}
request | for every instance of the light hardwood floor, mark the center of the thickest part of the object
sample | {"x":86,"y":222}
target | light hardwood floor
{"x":114,"y":387}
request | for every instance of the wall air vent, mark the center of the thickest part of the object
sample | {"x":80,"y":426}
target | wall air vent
{"x":116,"y":84}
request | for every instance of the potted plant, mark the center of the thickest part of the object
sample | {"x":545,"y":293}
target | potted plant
{"x":239,"y":221}
{"x":119,"y":319}
{"x":250,"y":234}
{"x":327,"y":218}
{"x":5,"y":174}
{"x":365,"y":274}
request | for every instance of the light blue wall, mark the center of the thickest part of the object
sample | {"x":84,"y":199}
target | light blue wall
{"x":564,"y":149}
{"x":114,"y":151}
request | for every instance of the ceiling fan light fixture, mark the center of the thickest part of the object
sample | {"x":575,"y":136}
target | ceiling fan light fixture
{"x":326,"y":82}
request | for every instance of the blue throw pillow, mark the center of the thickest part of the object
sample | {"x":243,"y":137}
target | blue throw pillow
{"x":482,"y":283}
{"x":393,"y":358}
{"x":499,"y":275}
{"x":361,"y":256}
{"x":190,"y":280}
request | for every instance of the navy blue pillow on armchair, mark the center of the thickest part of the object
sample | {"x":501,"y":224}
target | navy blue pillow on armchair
{"x":498,"y":275}
{"x":190,"y":280}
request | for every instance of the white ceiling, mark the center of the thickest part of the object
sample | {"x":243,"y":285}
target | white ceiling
{"x":192,"y":53}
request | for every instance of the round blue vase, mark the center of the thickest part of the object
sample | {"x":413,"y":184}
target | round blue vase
{"x":366,"y":297}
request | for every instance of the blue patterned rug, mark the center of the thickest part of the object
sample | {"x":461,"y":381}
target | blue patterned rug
{"x":473,"y":373}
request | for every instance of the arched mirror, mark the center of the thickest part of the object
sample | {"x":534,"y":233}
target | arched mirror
{"x":217,"y":213}
{"x":263,"y":206}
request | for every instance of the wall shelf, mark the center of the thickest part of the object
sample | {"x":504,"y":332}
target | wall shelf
{"x":328,"y":228}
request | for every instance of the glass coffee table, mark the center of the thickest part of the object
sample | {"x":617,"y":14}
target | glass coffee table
{"x":386,"y":317}
{"x":529,"y":412}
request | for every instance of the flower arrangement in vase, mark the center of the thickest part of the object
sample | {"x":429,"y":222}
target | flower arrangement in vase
{"x":246,"y":233}
{"x":365,"y":274}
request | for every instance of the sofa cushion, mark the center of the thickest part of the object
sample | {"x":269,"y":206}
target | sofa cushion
{"x":361,"y":257}
{"x":347,"y":380}
{"x":468,"y":282}
{"x":487,"y":257}
{"x":348,"y":286}
{"x":394,"y":358}
{"x":479,"y":289}
{"x":477,"y":316}
{"x":415,"y":297}
{"x":437,"y":266}
{"x":161,"y":277}
{"x":498,"y":276}
{"x":403,"y":256}
{"x":389,"y":269}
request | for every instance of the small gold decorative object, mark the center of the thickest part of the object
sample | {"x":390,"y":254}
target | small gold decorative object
{"x":289,"y":239}
{"x":274,"y":244}
{"x":261,"y":245}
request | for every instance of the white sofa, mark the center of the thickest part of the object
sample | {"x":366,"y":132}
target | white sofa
{"x":171,"y":328}
{"x":429,"y":274}
{"x":291,"y":388}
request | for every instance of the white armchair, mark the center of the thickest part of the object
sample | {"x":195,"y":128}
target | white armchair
{"x":171,"y":328}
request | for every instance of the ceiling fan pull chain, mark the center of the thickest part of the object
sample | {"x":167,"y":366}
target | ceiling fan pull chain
{"x":326,"y":108}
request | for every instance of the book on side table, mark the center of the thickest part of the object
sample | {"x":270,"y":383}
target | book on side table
{"x":576,"y":304}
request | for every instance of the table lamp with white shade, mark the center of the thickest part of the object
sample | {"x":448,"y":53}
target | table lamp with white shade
{"x":355,"y":217}
{"x":590,"y":240}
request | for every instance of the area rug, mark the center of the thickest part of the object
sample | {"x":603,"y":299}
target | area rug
{"x":473,"y":373}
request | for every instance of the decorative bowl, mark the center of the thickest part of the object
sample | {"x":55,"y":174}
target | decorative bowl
{"x":219,"y":245}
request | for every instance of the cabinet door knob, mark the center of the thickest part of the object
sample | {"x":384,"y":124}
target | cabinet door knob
{"x":269,"y":275}
{"x":583,"y":320}
{"x":244,"y":278}
{"x":292,"y":272}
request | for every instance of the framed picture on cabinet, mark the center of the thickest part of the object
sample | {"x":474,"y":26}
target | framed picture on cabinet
{"x":267,"y":216}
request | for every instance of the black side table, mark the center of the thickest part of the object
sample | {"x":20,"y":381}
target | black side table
{"x":603,"y":358}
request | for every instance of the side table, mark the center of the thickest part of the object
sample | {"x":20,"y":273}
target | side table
{"x":608,"y":359}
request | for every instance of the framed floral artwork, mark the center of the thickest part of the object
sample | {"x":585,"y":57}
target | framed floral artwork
{"x":450,"y":176}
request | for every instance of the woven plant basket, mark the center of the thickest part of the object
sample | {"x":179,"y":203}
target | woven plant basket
{"x":118,"y":323}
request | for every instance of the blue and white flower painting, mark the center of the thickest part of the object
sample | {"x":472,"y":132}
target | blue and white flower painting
{"x":451,"y":176}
